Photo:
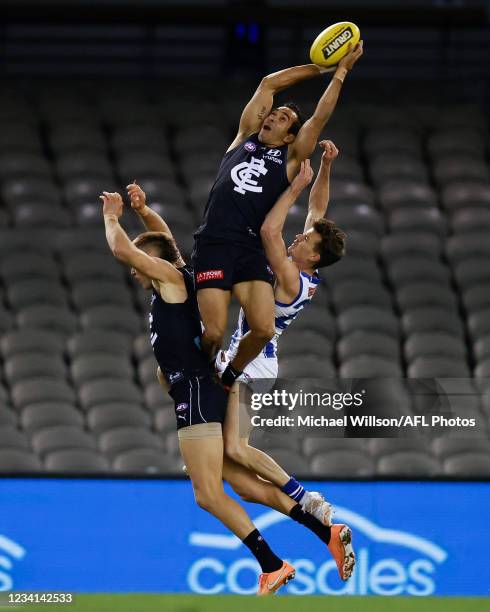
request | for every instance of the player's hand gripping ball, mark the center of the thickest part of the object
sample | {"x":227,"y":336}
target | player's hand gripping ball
{"x":331,"y":45}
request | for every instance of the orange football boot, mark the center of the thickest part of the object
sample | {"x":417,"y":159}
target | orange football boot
{"x":270,"y":583}
{"x":340,"y":546}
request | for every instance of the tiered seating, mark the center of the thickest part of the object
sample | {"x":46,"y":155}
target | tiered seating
{"x":78,"y":390}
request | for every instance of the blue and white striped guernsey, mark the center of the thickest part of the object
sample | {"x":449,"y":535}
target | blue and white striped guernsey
{"x":284,"y":316}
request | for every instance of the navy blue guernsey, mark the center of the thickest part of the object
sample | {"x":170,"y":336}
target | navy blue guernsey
{"x":175,"y":333}
{"x":250,"y":179}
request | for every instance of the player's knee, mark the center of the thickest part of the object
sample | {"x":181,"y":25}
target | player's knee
{"x":214,"y":334}
{"x":205,"y":499}
{"x":264,"y":330}
{"x":236,"y":451}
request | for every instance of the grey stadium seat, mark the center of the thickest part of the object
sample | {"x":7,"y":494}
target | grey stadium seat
{"x":147,"y":370}
{"x":18,"y":461}
{"x":305,"y":342}
{"x":359,"y":217}
{"x":60,"y":437}
{"x":470,"y":219}
{"x":481,"y":348}
{"x":113,"y":442}
{"x":368,"y":342}
{"x":147,"y":461}
{"x":384,"y":169}
{"x":315,"y":445}
{"x":156,"y":397}
{"x":477,"y":298}
{"x":427,"y":220}
{"x":411,"y":243}
{"x":350,"y":267}
{"x":96,"y":366}
{"x":33,"y":265}
{"x":358,"y":292}
{"x":28,"y":215}
{"x":421,"y":294}
{"x":454,"y":141}
{"x":479,"y":324}
{"x":6,"y":321}
{"x":132,"y":164}
{"x":121,"y":320}
{"x":107,"y":391}
{"x":446,"y":447}
{"x":120,"y":414}
{"x":41,"y":390}
{"x":13,"y":438}
{"x":396,"y":194}
{"x":342,"y":464}
{"x":370,"y":366}
{"x":317,"y":319}
{"x":450,"y":169}
{"x":405,"y":270}
{"x":47,"y":317}
{"x":408,"y":464}
{"x":468,"y":245}
{"x":32,"y":365}
{"x":472,"y":272}
{"x":78,"y":461}
{"x":27,"y":293}
{"x":430,"y":343}
{"x":92,"y":293}
{"x":80,"y":266}
{"x":368,"y":318}
{"x":432,"y":319}
{"x":465,"y":195}
{"x":164,"y":419}
{"x":468,"y":465}
{"x":31,"y":341}
{"x":50,"y":414}
{"x":482,"y":370}
{"x":307,"y":366}
{"x":387,"y":446}
{"x":71,"y":165}
{"x":23,"y":189}
{"x":99,"y":340}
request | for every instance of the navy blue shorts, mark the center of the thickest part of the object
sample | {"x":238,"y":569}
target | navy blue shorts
{"x":198,"y":399}
{"x":224,"y":264}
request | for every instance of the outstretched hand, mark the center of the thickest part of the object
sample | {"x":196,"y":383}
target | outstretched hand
{"x":137,"y":196}
{"x":354,"y":53}
{"x":303,"y":178}
{"x":113,"y":204}
{"x":330,"y":151}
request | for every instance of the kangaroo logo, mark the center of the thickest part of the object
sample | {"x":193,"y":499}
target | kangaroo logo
{"x":242,"y":175}
{"x":14,"y":550}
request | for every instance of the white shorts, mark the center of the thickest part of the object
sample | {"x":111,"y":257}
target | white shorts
{"x":260,"y":374}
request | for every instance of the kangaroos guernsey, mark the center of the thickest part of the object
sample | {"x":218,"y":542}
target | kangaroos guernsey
{"x":175,"y":332}
{"x":250,"y":179}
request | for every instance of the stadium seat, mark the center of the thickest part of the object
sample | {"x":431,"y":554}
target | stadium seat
{"x":379,"y":447}
{"x":458,"y":196}
{"x":425,"y":294}
{"x":92,"y":293}
{"x":472,"y":272}
{"x":342,"y":464}
{"x":164,"y":419}
{"x":477,"y":298}
{"x":468,"y":245}
{"x":479,"y":324}
{"x":481,"y":348}
{"x":30,"y":265}
{"x":113,"y":442}
{"x":118,"y":414}
{"x":384,"y":169}
{"x":107,"y":391}
{"x":30,"y":216}
{"x":13,"y":460}
{"x":58,"y":320}
{"x":366,"y":365}
{"x":427,"y":220}
{"x":398,"y":245}
{"x":147,"y":461}
{"x":41,"y":414}
{"x":315,"y":445}
{"x":357,"y":292}
{"x":300,"y":342}
{"x":353,"y":268}
{"x":25,"y":293}
{"x":368,"y":318}
{"x":32,"y":365}
{"x":468,"y":465}
{"x":78,"y":461}
{"x":61,"y":437}
{"x":18,"y":342}
{"x":408,"y":464}
{"x":411,"y":269}
{"x":8,"y":418}
{"x":424,"y":344}
{"x":397,"y":194}
{"x":450,"y":169}
{"x":13,"y":438}
{"x":95,"y":366}
{"x":309,"y":366}
{"x":432,"y":319}
{"x":35,"y":390}
{"x":368,"y":342}
{"x":458,"y":142}
{"x":446,"y":447}
{"x":470,"y":219}
{"x":110,"y":318}
{"x":99,"y":340}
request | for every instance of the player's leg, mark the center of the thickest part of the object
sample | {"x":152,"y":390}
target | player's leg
{"x":213,"y":308}
{"x":257,"y":300}
{"x":253,"y":489}
{"x":202,"y":449}
{"x":236,"y":432}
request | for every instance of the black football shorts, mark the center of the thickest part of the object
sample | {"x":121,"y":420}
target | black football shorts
{"x":198,"y":399}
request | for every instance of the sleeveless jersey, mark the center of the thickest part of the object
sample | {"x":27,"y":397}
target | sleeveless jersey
{"x":250,"y":179}
{"x":284,"y":316}
{"x":175,"y":333}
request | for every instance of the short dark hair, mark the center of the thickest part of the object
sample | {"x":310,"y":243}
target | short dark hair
{"x":296,"y":126}
{"x":331,"y":247}
{"x":167,"y":246}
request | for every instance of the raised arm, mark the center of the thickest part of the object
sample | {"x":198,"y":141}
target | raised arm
{"x":271,"y":233}
{"x":308,"y":135}
{"x":152,"y":221}
{"x":124,"y":250}
{"x":320,"y":192}
{"x":261,"y":103}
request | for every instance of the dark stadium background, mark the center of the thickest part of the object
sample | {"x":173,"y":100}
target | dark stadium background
{"x":97,"y":94}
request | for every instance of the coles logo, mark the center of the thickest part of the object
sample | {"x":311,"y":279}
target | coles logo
{"x":250,"y":146}
{"x":8,"y":550}
{"x":389,"y":562}
{"x":201,"y":277}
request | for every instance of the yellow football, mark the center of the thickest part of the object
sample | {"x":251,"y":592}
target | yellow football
{"x":330,"y":46}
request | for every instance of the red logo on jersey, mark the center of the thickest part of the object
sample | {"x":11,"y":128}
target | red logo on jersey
{"x":311,"y":291}
{"x":201,"y":277}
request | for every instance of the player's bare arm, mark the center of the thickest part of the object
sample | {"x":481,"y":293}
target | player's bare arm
{"x":261,"y":102}
{"x":152,"y":221}
{"x":320,"y":192}
{"x":126,"y":252}
{"x":285,"y":270}
{"x":308,"y":135}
